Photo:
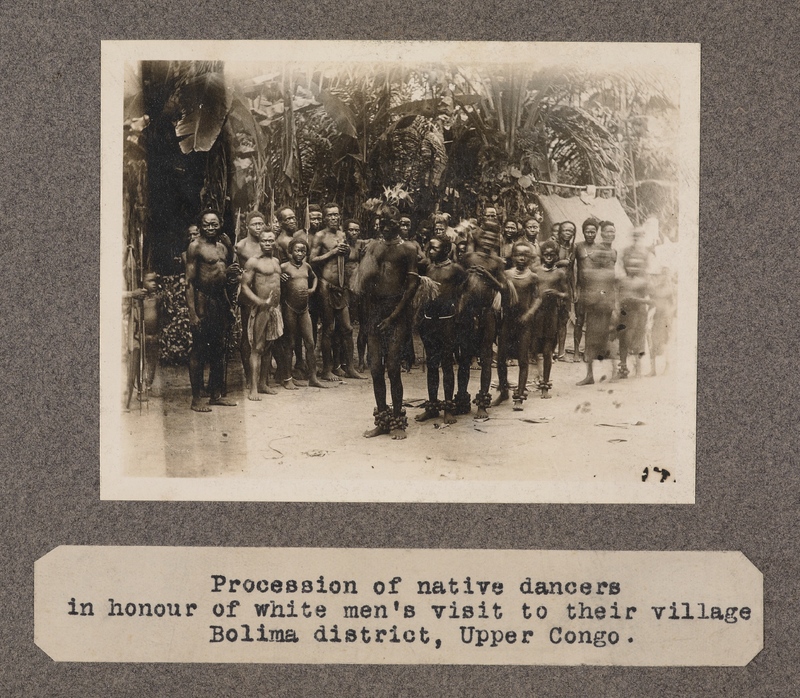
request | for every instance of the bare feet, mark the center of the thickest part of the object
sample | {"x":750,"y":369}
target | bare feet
{"x":222,"y":402}
{"x":586,"y":381}
{"x":253,"y":396}
{"x":398,"y":434}
{"x":362,"y":367}
{"x":267,"y":390}
{"x":481,"y":413}
{"x":449,"y":418}
{"x":426,"y":415}
{"x":517,"y":405}
{"x":350,"y":372}
{"x":289,"y":384}
{"x":329,"y":377}
{"x":377,"y":431}
{"x":502,"y":396}
{"x":199,"y":407}
{"x":314,"y":383}
{"x":546,"y":394}
{"x":339,"y":371}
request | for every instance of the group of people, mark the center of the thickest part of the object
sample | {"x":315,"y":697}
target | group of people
{"x":465,"y":289}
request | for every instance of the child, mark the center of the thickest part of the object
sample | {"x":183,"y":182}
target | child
{"x":299,"y":282}
{"x":146,"y":316}
{"x":515,"y":333}
{"x":553,"y":289}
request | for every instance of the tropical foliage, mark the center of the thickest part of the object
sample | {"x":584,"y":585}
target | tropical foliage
{"x":431,"y":136}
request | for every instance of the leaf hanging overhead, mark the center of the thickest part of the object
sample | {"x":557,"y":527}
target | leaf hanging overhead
{"x":204,"y":102}
{"x":341,"y":114}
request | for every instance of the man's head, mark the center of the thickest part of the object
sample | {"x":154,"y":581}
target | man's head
{"x":461,"y":247}
{"x":439,"y":249}
{"x":554,"y":230}
{"x":608,"y":232}
{"x":255,"y":223}
{"x":192,"y":233}
{"x":532,"y":228}
{"x":331,"y":216}
{"x":589,"y":227}
{"x":298,"y":250}
{"x":510,"y":230}
{"x":352,"y":229}
{"x":389,"y":222}
{"x":490,"y":214}
{"x":288,"y":220}
{"x":521,"y":254}
{"x":440,"y":223}
{"x":487,"y":239}
{"x":549,"y":252}
{"x":210,"y":224}
{"x":267,"y":240}
{"x":566,"y":233}
{"x":314,"y":218}
{"x":405,"y":227}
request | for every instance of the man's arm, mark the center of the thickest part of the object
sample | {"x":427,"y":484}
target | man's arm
{"x":316,"y":257}
{"x":191,"y":272}
{"x":247,"y":280}
{"x":312,"y":277}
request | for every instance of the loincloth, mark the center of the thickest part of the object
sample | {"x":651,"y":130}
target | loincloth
{"x":337,"y":296}
{"x":266,"y":325}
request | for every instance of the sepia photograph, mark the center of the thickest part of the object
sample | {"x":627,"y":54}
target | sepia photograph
{"x":399,"y":271}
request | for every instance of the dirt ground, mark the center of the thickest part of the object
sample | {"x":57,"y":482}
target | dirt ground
{"x":587,"y":443}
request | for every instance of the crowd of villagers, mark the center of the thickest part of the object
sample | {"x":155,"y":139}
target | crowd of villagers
{"x":465,"y":289}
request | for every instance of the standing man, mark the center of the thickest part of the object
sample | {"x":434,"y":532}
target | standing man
{"x":246,"y":249}
{"x":388,"y":280}
{"x":582,"y":260}
{"x":209,"y":311}
{"x":352,"y":231}
{"x":565,"y":261}
{"x":261,"y":285}
{"x":288,"y":227}
{"x":510,"y":236}
{"x":329,"y":250}
{"x":478,"y":314}
{"x":531,"y":229}
{"x":599,"y":297}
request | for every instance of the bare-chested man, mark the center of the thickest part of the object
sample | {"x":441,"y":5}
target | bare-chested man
{"x":511,"y":233}
{"x":314,"y":224}
{"x":598,"y":294}
{"x":553,"y":292}
{"x":565,"y":260}
{"x":329,"y":250}
{"x":287,"y":219}
{"x":583,"y":251}
{"x":437,"y":328}
{"x":352,"y":231}
{"x":388,"y":279}
{"x":245,"y":249}
{"x":261,"y":286}
{"x":531,"y":228}
{"x":633,"y":293}
{"x":515,"y":333}
{"x":210,"y":311}
{"x":299,"y":282}
{"x":478,"y":314}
